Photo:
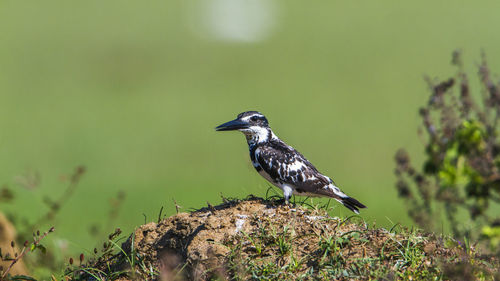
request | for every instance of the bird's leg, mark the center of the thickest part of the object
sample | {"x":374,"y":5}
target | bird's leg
{"x":287,"y":193}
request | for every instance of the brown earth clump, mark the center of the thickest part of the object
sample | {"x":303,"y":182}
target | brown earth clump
{"x":261,"y":239}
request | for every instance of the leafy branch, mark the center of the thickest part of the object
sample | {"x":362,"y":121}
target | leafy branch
{"x":462,"y":149}
{"x":27,"y":247}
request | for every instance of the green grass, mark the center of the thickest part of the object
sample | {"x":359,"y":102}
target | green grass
{"x":336,"y":255}
{"x":131,"y":92}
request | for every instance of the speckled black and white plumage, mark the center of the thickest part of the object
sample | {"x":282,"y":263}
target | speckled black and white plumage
{"x":282,"y":165}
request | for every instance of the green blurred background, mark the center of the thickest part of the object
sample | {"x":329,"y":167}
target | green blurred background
{"x":134,"y":89}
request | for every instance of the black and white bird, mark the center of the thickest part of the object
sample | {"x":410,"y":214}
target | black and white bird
{"x":282,"y":165}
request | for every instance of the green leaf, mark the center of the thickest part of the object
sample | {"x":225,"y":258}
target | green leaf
{"x":42,"y":248}
{"x":490,"y":232}
{"x":451,"y":152}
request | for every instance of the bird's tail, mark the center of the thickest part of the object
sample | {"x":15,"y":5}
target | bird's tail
{"x":351,"y":204}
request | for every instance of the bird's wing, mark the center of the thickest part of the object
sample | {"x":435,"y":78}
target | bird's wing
{"x":285,"y":165}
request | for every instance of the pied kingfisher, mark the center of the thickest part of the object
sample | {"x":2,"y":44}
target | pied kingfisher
{"x":281,"y":164}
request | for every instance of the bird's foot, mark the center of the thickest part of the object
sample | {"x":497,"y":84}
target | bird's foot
{"x":280,"y":201}
{"x":288,"y":204}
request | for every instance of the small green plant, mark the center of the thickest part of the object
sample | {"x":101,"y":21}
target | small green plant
{"x":118,"y":262}
{"x":43,"y":263}
{"x":27,"y":247}
{"x":281,"y":240}
{"x":462,"y":158}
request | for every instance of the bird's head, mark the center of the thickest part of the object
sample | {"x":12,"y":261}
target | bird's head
{"x":252,"y":123}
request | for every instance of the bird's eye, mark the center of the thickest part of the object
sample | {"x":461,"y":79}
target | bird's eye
{"x":254,"y":118}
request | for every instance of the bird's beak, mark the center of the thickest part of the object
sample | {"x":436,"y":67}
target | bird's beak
{"x":232,"y":125}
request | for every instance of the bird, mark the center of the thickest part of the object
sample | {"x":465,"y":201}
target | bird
{"x":282,"y":165}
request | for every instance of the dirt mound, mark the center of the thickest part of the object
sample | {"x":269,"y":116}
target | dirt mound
{"x":260,"y":239}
